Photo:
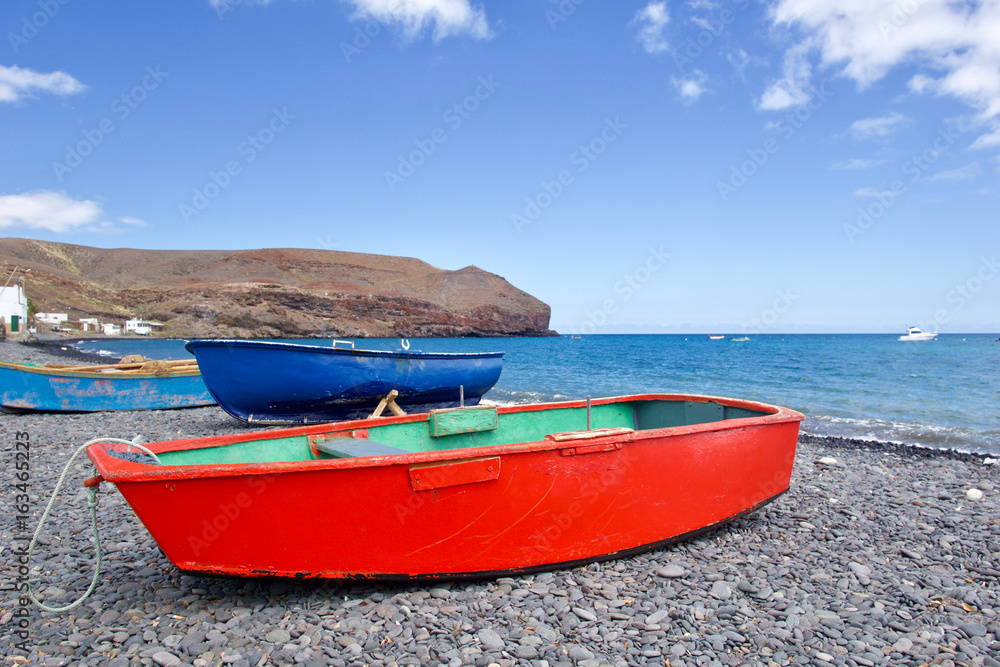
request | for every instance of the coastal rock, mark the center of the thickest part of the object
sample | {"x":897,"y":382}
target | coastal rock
{"x":273,"y":292}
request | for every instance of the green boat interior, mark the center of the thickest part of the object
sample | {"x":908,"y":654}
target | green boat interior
{"x":462,"y":428}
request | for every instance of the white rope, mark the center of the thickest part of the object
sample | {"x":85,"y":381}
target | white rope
{"x":92,"y":502}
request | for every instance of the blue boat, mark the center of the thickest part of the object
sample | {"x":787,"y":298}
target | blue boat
{"x":285,"y":383}
{"x":140,"y":385}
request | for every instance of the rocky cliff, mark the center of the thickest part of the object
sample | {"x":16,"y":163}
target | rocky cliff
{"x":272,"y":292}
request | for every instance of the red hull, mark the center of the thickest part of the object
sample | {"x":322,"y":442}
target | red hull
{"x":487,"y":510}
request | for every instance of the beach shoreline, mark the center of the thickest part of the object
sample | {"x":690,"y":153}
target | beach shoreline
{"x":877,"y":555}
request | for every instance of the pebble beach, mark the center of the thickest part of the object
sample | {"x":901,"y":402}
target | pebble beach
{"x":879,"y":554}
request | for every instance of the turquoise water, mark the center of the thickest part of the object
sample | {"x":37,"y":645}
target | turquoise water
{"x":943,"y":393}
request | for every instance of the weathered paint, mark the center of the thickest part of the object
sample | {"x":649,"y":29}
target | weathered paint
{"x":254,"y":513}
{"x":39,"y":388}
{"x":462,"y":420}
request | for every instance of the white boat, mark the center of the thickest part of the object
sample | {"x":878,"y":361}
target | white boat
{"x":741,"y":339}
{"x":716,"y":337}
{"x":914,"y":333}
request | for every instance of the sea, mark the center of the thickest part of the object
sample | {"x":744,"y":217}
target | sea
{"x":941,"y":394}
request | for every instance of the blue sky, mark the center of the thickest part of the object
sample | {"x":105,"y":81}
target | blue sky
{"x":794,"y":165}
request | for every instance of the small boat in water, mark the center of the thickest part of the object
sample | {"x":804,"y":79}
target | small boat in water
{"x":134,"y":384}
{"x":741,"y":339}
{"x":459,"y":493}
{"x":914,"y":333}
{"x":719,"y":337}
{"x":286,"y":383}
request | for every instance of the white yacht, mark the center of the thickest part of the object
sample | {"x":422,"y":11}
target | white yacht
{"x":913,"y":333}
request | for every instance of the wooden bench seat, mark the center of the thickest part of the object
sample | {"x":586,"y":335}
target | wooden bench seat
{"x":343,"y":448}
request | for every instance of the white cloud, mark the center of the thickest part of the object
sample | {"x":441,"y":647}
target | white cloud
{"x":870,"y":192}
{"x":966,"y":173}
{"x":448,"y":17}
{"x":691,"y":87}
{"x":18,"y":82}
{"x":869,"y":128}
{"x":47,"y":209}
{"x":954,"y":43}
{"x":136,"y":222}
{"x":652,"y":21}
{"x":793,"y":89}
{"x":987,"y":140}
{"x":858,"y":163}
{"x":739,"y":59}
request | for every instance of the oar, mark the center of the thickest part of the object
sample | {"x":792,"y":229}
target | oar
{"x":133,"y":366}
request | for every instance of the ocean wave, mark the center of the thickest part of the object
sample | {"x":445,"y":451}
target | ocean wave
{"x":954,"y":438}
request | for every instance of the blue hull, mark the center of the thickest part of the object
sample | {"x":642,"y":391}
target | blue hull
{"x":284,"y":383}
{"x":26,"y":388}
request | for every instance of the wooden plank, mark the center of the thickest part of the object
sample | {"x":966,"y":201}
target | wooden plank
{"x":454,"y":421}
{"x":343,"y":448}
{"x":389,"y":401}
{"x":588,"y":435}
{"x":135,"y":366}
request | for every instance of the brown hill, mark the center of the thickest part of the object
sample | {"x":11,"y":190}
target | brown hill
{"x":272,"y":292}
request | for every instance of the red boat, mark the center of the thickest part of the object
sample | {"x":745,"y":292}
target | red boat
{"x":461,"y":493}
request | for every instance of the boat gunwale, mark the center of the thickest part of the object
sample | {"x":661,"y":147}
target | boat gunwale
{"x":338,"y":351}
{"x":120,"y":471}
{"x":98,"y":375}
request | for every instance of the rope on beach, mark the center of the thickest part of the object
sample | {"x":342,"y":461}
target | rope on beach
{"x":92,"y":502}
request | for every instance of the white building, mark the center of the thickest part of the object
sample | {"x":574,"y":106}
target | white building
{"x":89,"y":324}
{"x":142,"y":327}
{"x":111,"y":329}
{"x":51,"y":318}
{"x":13,"y":309}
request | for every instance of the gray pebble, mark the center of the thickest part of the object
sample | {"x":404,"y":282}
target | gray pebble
{"x":973,"y":629}
{"x":721,"y":590}
{"x":860,"y":562}
{"x":490,"y":639}
{"x":276,"y":636}
{"x":671,"y":571}
{"x":165,"y":659}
